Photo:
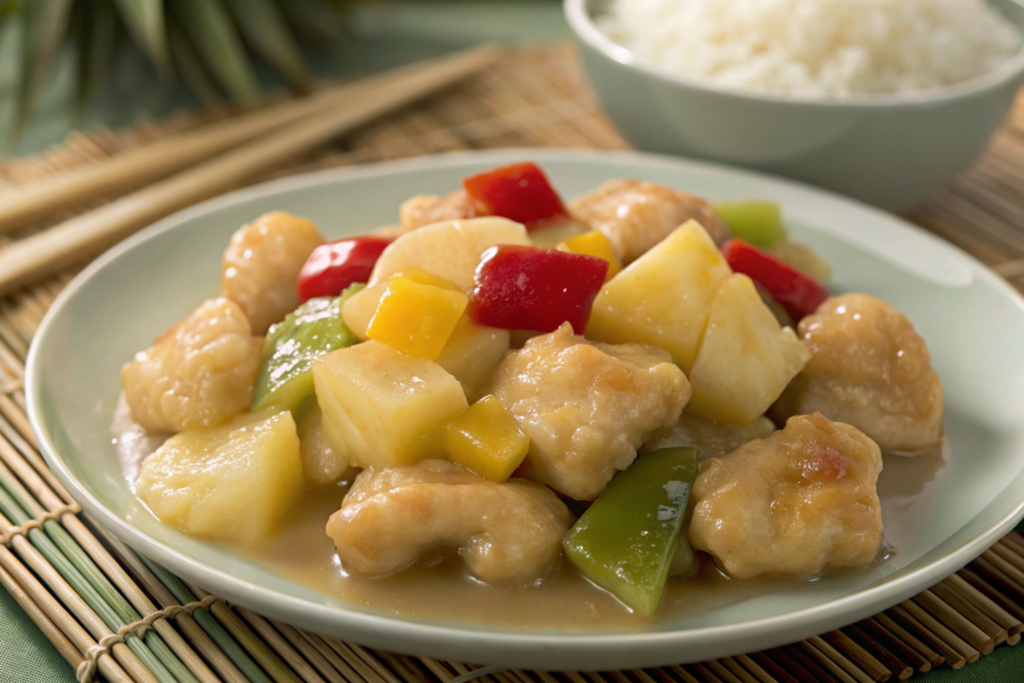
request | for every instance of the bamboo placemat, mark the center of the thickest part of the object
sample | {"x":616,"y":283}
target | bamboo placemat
{"x":101,"y":605}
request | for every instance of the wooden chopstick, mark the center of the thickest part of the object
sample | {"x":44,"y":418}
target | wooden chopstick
{"x":91,"y":233}
{"x":34,"y":201}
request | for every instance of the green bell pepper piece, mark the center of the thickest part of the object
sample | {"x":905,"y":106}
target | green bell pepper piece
{"x":285,"y":379}
{"x":757,"y":222}
{"x":627,"y":540}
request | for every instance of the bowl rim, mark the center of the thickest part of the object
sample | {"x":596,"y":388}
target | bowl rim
{"x":466,"y":641}
{"x":577,"y":13}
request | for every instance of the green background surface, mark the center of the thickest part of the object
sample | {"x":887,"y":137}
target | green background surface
{"x":384,"y":33}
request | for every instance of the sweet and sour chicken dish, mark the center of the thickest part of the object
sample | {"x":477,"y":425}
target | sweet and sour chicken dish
{"x":633,"y":389}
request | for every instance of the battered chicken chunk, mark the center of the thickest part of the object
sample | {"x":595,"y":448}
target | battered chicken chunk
{"x":870,"y":369}
{"x":796,"y":503}
{"x":424,"y":209}
{"x":199,"y":373}
{"x":261,"y":266}
{"x":507,"y":533}
{"x":635,"y":216}
{"x":586,"y":406}
{"x":712,"y":438}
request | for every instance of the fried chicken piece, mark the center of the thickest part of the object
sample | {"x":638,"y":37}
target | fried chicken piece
{"x":507,"y":533}
{"x":635,"y":216}
{"x":870,"y":369}
{"x":587,"y":406}
{"x":261,"y":266}
{"x":199,"y":373}
{"x":796,"y":503}
{"x":425,"y":209}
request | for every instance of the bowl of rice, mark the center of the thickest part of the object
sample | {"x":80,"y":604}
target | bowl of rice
{"x":882,"y":100}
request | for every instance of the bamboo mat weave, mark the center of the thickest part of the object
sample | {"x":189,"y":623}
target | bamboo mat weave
{"x":109,"y":610}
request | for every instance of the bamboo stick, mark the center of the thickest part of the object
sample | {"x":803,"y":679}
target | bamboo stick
{"x":310,"y":653}
{"x":685,"y":675}
{"x":268,"y":659}
{"x":30,"y":202}
{"x":952,"y":656}
{"x":1001,"y":601}
{"x":935,"y":626}
{"x":705,"y":673}
{"x":891,"y":642}
{"x":38,"y":616}
{"x":967,"y":609}
{"x":90,"y":233}
{"x":824,"y":660}
{"x":281,"y":646}
{"x":876,"y":648}
{"x":839,"y":658}
{"x":373,"y":662}
{"x":53,"y":609}
{"x":755,"y":668}
{"x":332,"y":657}
{"x":955,"y":621}
{"x":933,"y":658}
{"x":345,"y":651}
{"x":737,"y":670}
{"x":728,"y":674}
{"x":857,"y":654}
{"x":771,"y":667}
{"x":798,"y":661}
{"x":223,"y":665}
{"x":1005,"y":551}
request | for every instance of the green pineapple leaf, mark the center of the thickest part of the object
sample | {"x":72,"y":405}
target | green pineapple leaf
{"x":190,"y":67}
{"x":321,"y":20}
{"x":209,"y":45}
{"x":145,"y":21}
{"x":218,"y":44}
{"x":7,"y":9}
{"x":263,"y":26}
{"x":97,"y":40}
{"x":43,"y":27}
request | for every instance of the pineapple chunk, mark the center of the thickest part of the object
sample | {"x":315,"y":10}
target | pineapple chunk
{"x":746,"y":359}
{"x":472,"y":354}
{"x":383,"y":408}
{"x":321,"y":464}
{"x":594,"y":243}
{"x":486,"y":441}
{"x":358,"y":310}
{"x":233,"y":482}
{"x":450,"y":250}
{"x":664,"y":297}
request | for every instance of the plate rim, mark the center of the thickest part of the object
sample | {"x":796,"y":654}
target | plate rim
{"x":545,"y":649}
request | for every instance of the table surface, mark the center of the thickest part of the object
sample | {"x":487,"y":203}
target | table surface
{"x":386,"y":33}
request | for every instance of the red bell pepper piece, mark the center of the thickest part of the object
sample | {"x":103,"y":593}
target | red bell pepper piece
{"x":332,"y":267}
{"x":530,"y":288}
{"x":520,"y":192}
{"x":799,"y":293}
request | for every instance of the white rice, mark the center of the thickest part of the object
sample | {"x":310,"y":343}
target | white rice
{"x":817,"y":48}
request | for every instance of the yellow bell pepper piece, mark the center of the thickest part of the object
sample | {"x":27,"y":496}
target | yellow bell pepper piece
{"x":594,"y":243}
{"x":485,"y":440}
{"x":417,"y":317}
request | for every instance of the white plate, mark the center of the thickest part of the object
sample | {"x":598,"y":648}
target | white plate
{"x":972,"y":320}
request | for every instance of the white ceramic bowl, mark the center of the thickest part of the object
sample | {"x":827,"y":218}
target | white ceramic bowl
{"x":888,"y":150}
{"x":939,"y":512}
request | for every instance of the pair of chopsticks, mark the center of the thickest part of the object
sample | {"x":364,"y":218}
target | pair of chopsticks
{"x":247,"y":146}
